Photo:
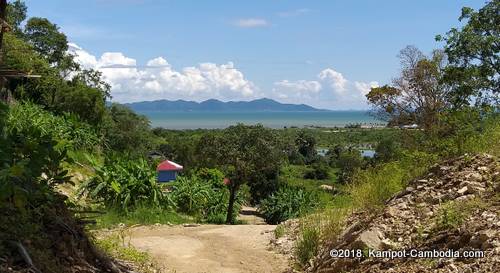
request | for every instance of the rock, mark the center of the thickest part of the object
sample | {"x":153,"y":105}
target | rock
{"x":371,"y":239}
{"x":476,"y":177}
{"x":388,"y":244}
{"x":409,"y":189}
{"x":453,"y":268}
{"x":326,"y":187}
{"x":409,"y":217}
{"x":463,"y":190}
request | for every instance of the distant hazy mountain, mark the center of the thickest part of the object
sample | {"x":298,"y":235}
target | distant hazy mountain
{"x":219,"y":106}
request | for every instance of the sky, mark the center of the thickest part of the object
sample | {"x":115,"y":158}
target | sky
{"x":326,"y":54}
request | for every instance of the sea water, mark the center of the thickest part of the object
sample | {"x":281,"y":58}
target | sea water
{"x":218,"y":120}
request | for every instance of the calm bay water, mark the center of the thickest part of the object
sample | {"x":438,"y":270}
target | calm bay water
{"x":215,"y":120}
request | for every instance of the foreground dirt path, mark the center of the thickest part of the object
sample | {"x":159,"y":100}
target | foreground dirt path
{"x":210,"y":248}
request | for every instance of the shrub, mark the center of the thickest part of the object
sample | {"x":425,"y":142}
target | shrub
{"x":452,"y":214}
{"x":319,"y":171}
{"x":191,"y":194}
{"x":349,"y":162}
{"x":387,"y":150}
{"x":125,"y":183}
{"x":466,"y":131}
{"x":288,"y":202}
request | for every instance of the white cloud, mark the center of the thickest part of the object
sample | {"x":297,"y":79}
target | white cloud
{"x":331,"y":90}
{"x":158,"y":80}
{"x":296,"y":89}
{"x":364,"y":88}
{"x":334,"y":78}
{"x":82,"y":57}
{"x":251,"y":22}
{"x":293,"y":13}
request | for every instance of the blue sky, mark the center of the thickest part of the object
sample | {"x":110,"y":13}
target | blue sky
{"x":323,"y":53}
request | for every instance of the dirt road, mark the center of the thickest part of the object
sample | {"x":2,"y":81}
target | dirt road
{"x":211,"y":248}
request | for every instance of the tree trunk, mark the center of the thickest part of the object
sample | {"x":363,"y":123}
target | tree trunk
{"x":230,"y":206}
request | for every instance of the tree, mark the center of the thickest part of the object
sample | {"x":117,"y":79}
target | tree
{"x":417,"y":95}
{"x":91,"y":78}
{"x":306,"y":144}
{"x":387,"y":149}
{"x":348,"y":163}
{"x":46,"y":39}
{"x":244,"y":153}
{"x":16,"y":14}
{"x":473,"y":53}
{"x":125,"y":130}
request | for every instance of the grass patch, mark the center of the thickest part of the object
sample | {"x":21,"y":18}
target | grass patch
{"x":452,"y":214}
{"x":142,"y":216}
{"x":307,"y":245}
{"x":372,"y":187}
{"x":279,"y":231}
{"x":117,"y":247}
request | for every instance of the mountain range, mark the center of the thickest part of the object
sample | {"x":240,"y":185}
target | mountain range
{"x":213,"y":105}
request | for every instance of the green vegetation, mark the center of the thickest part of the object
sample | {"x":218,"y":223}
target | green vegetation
{"x":141,"y":215}
{"x":279,"y":231}
{"x":307,"y":245}
{"x":247,"y":154}
{"x":115,"y":244}
{"x":124,"y":184}
{"x":452,"y":214}
{"x":204,"y":196}
{"x":454,"y":103}
{"x":60,"y":124}
{"x":286,"y":203}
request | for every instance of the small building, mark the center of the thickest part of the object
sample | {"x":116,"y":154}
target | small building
{"x":167,"y":171}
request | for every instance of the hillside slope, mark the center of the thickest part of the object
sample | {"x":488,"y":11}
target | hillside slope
{"x":455,"y":207}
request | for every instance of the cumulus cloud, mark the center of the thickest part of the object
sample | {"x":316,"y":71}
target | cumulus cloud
{"x":364,"y":88}
{"x":296,"y":89}
{"x":334,"y":78}
{"x":159,"y":80}
{"x":82,"y":57}
{"x":251,"y":22}
{"x":329,"y":90}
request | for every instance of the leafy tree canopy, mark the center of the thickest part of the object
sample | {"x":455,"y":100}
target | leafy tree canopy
{"x":473,"y":53}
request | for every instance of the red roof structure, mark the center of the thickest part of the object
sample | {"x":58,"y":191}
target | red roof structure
{"x":168,"y":165}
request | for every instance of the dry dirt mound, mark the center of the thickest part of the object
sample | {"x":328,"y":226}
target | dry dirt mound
{"x":453,"y":208}
{"x":210,"y":248}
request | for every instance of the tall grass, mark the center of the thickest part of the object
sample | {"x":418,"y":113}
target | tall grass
{"x":372,"y":187}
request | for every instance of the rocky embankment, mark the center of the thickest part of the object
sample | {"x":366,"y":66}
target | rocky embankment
{"x":454,"y":208}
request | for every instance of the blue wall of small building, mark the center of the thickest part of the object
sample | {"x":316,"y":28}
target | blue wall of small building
{"x":167,"y":176}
